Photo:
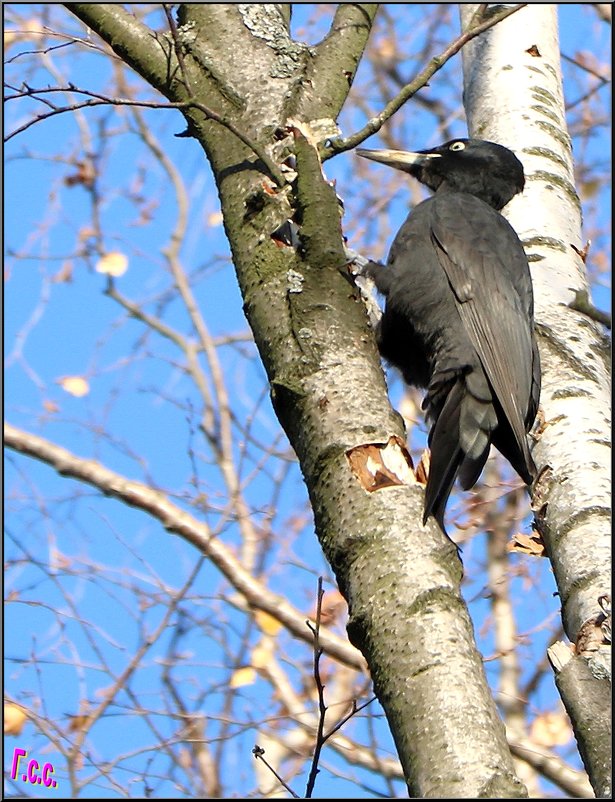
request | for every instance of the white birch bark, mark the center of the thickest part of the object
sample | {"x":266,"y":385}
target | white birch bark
{"x":513,"y":95}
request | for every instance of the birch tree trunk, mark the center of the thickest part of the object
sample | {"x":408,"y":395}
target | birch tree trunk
{"x":514,"y":96}
{"x":251,"y":97}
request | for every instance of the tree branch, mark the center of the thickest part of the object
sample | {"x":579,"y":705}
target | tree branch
{"x":134,"y":42}
{"x":322,"y":707}
{"x":155,"y":59}
{"x":581,"y":303}
{"x":181,"y":523}
{"x":337,"y":57}
{"x":552,"y":767}
{"x":103,"y":100}
{"x":340,"y":144}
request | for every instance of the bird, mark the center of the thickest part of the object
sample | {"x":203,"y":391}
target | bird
{"x":458,"y":319}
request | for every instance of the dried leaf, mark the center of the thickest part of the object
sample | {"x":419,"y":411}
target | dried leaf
{"x":59,"y":561}
{"x":14,"y":718}
{"x":78,"y":722}
{"x":551,"y":729}
{"x":113,"y":263}
{"x":332,"y":606}
{"x":527,"y":544}
{"x":85,"y":175}
{"x":214,"y":219}
{"x":74,"y":385}
{"x":85,"y":233}
{"x":269,"y":624}
{"x":243,"y":676}
{"x":262,"y":653}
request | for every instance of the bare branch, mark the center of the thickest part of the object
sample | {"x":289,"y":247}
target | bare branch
{"x":134,"y":42}
{"x":181,"y":523}
{"x":155,"y":59}
{"x":339,"y":145}
{"x":103,"y":100}
{"x":551,"y":766}
{"x":322,"y":708}
{"x":581,"y":303}
{"x":259,"y":754}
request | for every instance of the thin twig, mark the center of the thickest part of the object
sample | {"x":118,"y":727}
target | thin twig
{"x":254,"y":146}
{"x":586,"y":68}
{"x":321,"y":736}
{"x":341,"y":144}
{"x":355,"y":709}
{"x":178,"y":48}
{"x":177,"y":521}
{"x":97,"y":99}
{"x":154,"y":323}
{"x":258,"y":753}
{"x":320,"y":740}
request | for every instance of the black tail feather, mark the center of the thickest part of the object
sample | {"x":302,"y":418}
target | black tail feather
{"x":460,"y":438}
{"x":446,"y":455}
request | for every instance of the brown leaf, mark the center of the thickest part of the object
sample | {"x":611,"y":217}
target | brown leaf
{"x":527,"y":544}
{"x":85,"y":175}
{"x":332,"y":606}
{"x":85,"y":233}
{"x":78,"y":722}
{"x":64,"y":274}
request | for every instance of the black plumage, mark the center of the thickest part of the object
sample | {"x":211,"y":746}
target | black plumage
{"x":459,"y":313}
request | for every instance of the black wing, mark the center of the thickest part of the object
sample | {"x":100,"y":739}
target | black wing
{"x":488,"y":273}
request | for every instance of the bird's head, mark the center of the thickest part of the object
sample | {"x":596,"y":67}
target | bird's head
{"x":484,"y":169}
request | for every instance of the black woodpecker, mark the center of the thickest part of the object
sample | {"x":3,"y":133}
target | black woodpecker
{"x":459,"y":313}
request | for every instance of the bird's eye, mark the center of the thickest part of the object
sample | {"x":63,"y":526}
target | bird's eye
{"x":457,"y":146}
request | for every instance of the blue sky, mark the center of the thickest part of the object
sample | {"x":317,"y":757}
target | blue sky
{"x":140,"y":394}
